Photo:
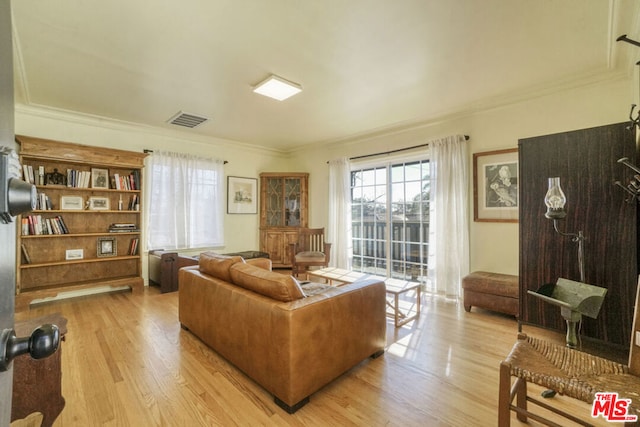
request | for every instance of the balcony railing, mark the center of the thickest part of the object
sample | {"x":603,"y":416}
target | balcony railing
{"x":408,"y":247}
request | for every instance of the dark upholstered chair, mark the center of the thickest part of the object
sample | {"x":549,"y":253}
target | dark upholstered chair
{"x":311,"y":250}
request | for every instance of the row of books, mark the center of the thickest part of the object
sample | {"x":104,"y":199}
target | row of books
{"x":133,"y":246}
{"x":43,"y":202}
{"x":36,"y":225}
{"x":80,"y":178}
{"x":74,"y":178}
{"x":31,"y":176}
{"x":126,"y":182}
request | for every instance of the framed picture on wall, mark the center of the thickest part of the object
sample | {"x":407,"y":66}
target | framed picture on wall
{"x":495,"y":186}
{"x":242,"y":195}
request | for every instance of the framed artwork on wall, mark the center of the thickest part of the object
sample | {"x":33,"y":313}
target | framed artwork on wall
{"x":242,"y":195}
{"x":495,"y":186}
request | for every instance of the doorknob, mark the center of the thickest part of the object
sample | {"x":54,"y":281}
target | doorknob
{"x":42,"y":342}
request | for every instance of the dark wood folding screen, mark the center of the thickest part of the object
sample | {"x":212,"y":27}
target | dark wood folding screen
{"x":586,"y":162}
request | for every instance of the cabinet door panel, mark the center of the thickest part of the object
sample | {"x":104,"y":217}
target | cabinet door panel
{"x":274,"y":244}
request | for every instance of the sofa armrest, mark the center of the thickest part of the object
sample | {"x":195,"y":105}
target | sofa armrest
{"x":313,"y":340}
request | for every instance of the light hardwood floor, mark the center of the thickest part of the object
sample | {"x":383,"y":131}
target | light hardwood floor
{"x":127,"y":362}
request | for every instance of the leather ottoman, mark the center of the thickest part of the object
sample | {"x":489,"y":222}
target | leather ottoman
{"x":491,"y":291}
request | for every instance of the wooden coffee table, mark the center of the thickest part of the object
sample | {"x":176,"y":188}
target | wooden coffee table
{"x":395,"y":288}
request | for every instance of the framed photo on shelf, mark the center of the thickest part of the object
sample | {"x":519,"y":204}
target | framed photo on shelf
{"x":495,"y":186}
{"x":100,"y":178}
{"x":107,"y":246}
{"x":242,"y":195}
{"x":71,"y":254}
{"x":99,"y":203}
{"x":73,"y":203}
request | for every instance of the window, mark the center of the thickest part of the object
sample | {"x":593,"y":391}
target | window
{"x":186,"y":207}
{"x":390,"y":219}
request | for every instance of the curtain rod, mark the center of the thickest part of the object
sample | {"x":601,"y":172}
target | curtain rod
{"x":151,"y":151}
{"x":466,"y":137}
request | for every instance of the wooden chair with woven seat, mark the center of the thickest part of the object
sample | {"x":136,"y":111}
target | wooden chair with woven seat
{"x":568,"y":372}
{"x":311,"y":250}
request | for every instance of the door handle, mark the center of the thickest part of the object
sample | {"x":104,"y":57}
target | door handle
{"x":43,"y":342}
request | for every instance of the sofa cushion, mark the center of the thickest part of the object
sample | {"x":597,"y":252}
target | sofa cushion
{"x":217,"y":265}
{"x":264,"y":282}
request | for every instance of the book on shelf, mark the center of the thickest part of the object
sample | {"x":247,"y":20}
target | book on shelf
{"x":40,"y":175}
{"x":25,"y":174}
{"x":133,"y":246}
{"x":126,"y":182}
{"x":134,"y":202}
{"x":123,"y":228}
{"x":28,"y":175}
{"x":25,"y":254}
{"x":78,"y":178}
{"x":43,"y":202}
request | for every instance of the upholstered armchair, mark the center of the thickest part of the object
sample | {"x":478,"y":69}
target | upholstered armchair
{"x":311,"y":250}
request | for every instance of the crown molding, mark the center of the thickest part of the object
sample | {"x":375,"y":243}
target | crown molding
{"x":505,"y":100}
{"x":136,"y":128}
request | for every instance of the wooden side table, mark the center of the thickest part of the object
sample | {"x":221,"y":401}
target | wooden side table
{"x":397,"y":287}
{"x":37,"y":384}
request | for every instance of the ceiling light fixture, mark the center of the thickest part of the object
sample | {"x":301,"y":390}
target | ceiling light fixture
{"x":277,"y":88}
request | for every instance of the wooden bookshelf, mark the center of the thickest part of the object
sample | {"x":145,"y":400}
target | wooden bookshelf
{"x":82,"y":252}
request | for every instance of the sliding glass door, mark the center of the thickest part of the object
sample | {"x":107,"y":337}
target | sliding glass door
{"x":390,"y":218}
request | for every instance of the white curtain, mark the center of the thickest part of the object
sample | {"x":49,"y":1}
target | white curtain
{"x":339,"y":227}
{"x":449,"y":223}
{"x":186,"y":201}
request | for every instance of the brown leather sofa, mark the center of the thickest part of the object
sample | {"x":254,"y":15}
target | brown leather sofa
{"x":292,"y":339}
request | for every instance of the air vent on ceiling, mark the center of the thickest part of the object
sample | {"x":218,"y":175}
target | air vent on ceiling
{"x":187,"y":120}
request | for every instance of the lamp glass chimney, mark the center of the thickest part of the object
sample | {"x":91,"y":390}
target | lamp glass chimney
{"x":555,"y":200}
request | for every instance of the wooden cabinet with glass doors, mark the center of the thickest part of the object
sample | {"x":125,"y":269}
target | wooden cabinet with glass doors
{"x":85,"y":231}
{"x":284,"y":202}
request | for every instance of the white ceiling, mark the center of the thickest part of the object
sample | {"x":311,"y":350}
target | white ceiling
{"x":365,"y":65}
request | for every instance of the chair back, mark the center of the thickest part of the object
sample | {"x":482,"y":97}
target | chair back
{"x":311,"y":240}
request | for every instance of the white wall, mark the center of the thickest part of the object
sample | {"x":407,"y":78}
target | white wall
{"x":493,"y":246}
{"x":241,"y":231}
